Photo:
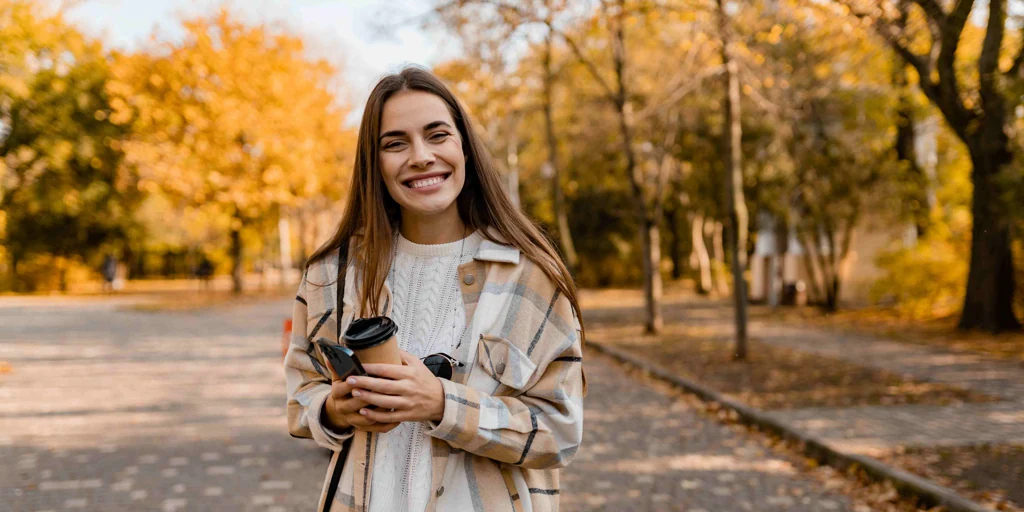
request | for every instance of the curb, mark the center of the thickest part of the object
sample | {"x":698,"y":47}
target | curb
{"x":928,"y":492}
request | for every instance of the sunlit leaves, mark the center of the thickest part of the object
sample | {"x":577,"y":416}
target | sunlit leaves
{"x":62,"y":189}
{"x":234,"y":117}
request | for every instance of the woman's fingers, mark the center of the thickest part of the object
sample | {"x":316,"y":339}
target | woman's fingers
{"x":384,"y":416}
{"x":340,"y":389}
{"x":387,"y":371}
{"x":411,"y":360}
{"x":349,"y":405}
{"x":365,"y":424}
{"x":381,"y":400}
{"x":384,"y":386}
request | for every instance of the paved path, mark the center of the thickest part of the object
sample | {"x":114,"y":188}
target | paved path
{"x":878,"y":429}
{"x":114,"y":410}
{"x":875,"y":429}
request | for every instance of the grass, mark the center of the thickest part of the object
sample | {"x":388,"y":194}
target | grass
{"x":697,"y":343}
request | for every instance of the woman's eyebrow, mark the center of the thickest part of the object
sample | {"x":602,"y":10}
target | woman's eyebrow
{"x":427,"y":127}
{"x":392,"y":133}
{"x":435,"y":124}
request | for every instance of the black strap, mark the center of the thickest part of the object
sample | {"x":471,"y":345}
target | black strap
{"x":339,"y":288}
{"x":339,"y":466}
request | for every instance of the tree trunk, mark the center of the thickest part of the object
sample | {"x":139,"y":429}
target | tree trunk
{"x":988,"y":302}
{"x":737,"y":207}
{"x":718,"y":243}
{"x":675,"y":249}
{"x":700,"y":249}
{"x":284,"y":234}
{"x":561,"y":217}
{"x":513,"y":161}
{"x":236,"y":254}
{"x":301,"y":226}
{"x":652,"y":281}
{"x":14,"y":284}
{"x":653,"y":286}
{"x":62,"y":272}
{"x":906,"y":136}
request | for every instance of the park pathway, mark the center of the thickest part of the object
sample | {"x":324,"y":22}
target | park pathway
{"x":110,"y":409}
{"x":875,"y":429}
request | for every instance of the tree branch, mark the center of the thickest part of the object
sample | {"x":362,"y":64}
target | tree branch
{"x":933,"y":10}
{"x":588,"y":63}
{"x":891,"y":34}
{"x":988,"y":61}
{"x":948,"y":87}
{"x":680,"y":92}
{"x":951,"y":31}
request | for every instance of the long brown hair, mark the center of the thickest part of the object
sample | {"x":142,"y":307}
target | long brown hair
{"x":374,"y":215}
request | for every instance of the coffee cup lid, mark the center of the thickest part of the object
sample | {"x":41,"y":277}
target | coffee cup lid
{"x":369,"y":332}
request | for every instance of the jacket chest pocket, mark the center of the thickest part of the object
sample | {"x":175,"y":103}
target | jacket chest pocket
{"x":504,"y":362}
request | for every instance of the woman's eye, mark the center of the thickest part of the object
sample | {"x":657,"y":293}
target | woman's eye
{"x":393,"y":144}
{"x":439,"y":136}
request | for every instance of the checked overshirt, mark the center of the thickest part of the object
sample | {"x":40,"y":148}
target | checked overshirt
{"x":513,"y":413}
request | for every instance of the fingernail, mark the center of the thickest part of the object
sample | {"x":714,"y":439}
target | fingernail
{"x":356,"y":394}
{"x":362,"y":411}
{"x":352,"y":381}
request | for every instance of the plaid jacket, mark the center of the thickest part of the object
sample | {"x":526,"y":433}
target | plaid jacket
{"x":513,"y":413}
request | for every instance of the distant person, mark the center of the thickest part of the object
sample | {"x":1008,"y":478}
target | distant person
{"x":109,"y":271}
{"x":430,"y":239}
{"x":204,"y":271}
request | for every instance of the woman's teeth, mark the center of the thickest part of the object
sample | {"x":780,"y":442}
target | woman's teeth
{"x":426,"y":182}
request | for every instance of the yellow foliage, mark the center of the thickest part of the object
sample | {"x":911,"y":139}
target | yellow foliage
{"x":926,"y":280}
{"x":235,"y":114}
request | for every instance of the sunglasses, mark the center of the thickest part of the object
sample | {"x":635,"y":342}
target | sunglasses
{"x":441,"y":365}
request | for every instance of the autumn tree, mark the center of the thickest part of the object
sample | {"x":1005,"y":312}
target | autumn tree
{"x":234,"y":119}
{"x":639,"y":92}
{"x":63,"y":193}
{"x":488,"y":28}
{"x":977,"y":95}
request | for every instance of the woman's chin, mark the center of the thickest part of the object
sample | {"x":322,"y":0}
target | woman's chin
{"x":428,"y":209}
{"x":431,"y":205}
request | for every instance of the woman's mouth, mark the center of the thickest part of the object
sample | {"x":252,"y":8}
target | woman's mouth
{"x":427,"y":182}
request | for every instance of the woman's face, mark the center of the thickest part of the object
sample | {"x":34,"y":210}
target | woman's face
{"x":421,"y":155}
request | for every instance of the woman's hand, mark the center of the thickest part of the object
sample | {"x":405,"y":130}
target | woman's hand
{"x":342,"y":411}
{"x":407,"y":392}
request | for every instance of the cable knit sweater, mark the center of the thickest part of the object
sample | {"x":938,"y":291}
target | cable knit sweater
{"x":431,"y":318}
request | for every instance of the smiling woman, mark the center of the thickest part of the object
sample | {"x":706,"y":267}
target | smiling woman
{"x":430,"y":240}
{"x":423,"y":166}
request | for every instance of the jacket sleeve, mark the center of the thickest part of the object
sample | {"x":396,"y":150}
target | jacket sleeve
{"x":307,"y":382}
{"x":540,"y":428}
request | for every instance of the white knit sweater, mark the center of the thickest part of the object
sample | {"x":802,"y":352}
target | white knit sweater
{"x":428,"y":309}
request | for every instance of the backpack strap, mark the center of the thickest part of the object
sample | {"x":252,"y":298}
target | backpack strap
{"x":339,"y":466}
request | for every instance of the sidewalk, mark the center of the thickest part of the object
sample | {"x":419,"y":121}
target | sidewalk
{"x":878,"y":428}
{"x":954,"y":417}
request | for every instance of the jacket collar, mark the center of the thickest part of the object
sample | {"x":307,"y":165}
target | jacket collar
{"x":495,"y":252}
{"x":490,"y":251}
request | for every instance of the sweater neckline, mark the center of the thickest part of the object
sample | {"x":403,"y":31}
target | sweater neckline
{"x":472,"y":242}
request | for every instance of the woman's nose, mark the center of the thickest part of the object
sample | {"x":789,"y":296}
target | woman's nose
{"x":422,"y":156}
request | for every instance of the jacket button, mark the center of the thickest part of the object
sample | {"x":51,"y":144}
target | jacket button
{"x":469,"y":279}
{"x":440,"y":491}
{"x":500,"y":368}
